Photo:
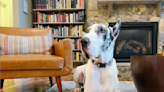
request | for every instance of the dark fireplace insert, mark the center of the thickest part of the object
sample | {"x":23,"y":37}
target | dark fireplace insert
{"x":135,"y":38}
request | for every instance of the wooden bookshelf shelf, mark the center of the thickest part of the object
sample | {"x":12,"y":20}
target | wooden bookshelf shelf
{"x":53,"y":10}
{"x":76,"y":50}
{"x":60,"y":23}
{"x":62,"y":37}
{"x":78,"y":61}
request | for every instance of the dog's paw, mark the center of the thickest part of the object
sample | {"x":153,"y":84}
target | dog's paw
{"x":77,"y":90}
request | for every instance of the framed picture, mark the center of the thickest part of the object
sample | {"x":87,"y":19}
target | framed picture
{"x":25,"y":6}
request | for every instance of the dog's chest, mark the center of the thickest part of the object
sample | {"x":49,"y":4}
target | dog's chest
{"x":100,"y":79}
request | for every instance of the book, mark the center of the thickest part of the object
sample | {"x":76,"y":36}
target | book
{"x":77,"y":56}
{"x":73,"y":44}
{"x":38,"y":17}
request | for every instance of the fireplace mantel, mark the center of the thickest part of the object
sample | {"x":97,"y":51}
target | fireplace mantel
{"x":110,"y":3}
{"x":106,"y":2}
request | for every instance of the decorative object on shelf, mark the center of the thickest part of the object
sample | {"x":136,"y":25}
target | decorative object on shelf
{"x":25,"y":6}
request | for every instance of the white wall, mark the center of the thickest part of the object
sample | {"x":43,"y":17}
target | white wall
{"x":21,"y":19}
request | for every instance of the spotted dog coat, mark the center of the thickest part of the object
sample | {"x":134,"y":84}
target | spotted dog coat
{"x":102,"y":40}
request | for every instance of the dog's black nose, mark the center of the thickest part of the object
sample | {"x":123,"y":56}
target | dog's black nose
{"x":85,"y":41}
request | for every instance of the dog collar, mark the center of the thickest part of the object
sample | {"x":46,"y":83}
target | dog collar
{"x":101,"y":65}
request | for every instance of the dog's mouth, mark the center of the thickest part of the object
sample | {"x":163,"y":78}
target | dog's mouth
{"x":86,"y":52}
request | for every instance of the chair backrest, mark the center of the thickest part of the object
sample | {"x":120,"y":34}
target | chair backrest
{"x":25,"y":41}
{"x":25,"y":31}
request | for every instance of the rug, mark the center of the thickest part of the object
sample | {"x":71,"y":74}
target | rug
{"x":68,"y":86}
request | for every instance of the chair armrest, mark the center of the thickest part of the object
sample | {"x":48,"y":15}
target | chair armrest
{"x":64,"y":49}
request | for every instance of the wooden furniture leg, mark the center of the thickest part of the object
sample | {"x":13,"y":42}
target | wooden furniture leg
{"x":58,"y":80}
{"x":51,"y":81}
{"x":2,"y":81}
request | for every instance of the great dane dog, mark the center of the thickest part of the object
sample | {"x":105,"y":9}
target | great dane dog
{"x":100,"y":72}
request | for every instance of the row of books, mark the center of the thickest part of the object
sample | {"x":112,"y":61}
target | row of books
{"x":65,"y":30}
{"x":77,"y":56}
{"x":76,"y":45}
{"x":59,"y":4}
{"x":60,"y":17}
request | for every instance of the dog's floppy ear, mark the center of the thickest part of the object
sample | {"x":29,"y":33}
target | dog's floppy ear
{"x":84,"y":33}
{"x":116,"y":30}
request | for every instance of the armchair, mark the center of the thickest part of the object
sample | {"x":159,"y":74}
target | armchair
{"x":59,"y":63}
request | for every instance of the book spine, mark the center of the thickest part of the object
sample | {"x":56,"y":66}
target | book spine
{"x":82,"y":16}
{"x":79,"y":3}
{"x":69,"y":17}
{"x":67,"y":4}
{"x":36,"y":7}
{"x":75,"y":43}
{"x":45,"y":4}
{"x":38,"y":4}
{"x":42,"y":3}
{"x":73,"y":31}
{"x":73,"y":46}
{"x":77,"y":56}
{"x":71,"y":3}
{"x":65,"y":30}
{"x":78,"y":44}
{"x":77,"y":17}
{"x":62,"y":31}
{"x":38,"y":17}
{"x":59,"y":16}
{"x":54,"y":4}
{"x":73,"y":16}
{"x":76,"y":3}
{"x":81,"y":30}
{"x":55,"y":19}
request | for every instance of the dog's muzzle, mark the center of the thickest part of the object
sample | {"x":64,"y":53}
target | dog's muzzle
{"x":85,"y":41}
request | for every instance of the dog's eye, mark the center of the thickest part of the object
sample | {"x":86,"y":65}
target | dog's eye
{"x":101,"y":29}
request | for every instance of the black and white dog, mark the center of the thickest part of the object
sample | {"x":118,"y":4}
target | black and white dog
{"x":100,"y":72}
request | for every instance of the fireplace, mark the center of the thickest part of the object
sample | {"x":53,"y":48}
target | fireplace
{"x":135,"y":38}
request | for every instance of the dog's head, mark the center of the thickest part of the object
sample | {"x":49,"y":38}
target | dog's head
{"x":100,"y":38}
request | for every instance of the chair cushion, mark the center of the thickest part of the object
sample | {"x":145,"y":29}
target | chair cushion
{"x":12,"y":45}
{"x":30,"y":62}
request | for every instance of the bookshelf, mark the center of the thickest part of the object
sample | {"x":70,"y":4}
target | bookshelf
{"x":57,"y":10}
{"x":61,"y":23}
{"x":71,"y":37}
{"x":49,"y":7}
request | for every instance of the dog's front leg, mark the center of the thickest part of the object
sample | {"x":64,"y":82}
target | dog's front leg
{"x":78,"y":77}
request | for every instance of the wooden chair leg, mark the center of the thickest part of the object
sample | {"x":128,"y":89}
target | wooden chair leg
{"x":2,"y":81}
{"x":58,"y":80}
{"x":51,"y":81}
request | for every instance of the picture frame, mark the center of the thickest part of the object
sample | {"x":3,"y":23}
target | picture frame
{"x":25,"y":6}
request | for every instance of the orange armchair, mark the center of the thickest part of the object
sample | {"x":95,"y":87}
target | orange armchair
{"x":59,"y":63}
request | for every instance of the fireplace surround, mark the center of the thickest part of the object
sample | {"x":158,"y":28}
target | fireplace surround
{"x":135,"y":38}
